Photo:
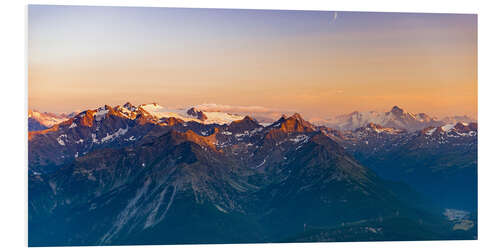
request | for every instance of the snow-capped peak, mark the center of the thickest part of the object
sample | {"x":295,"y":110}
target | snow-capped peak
{"x":129,"y":107}
{"x":447,"y":127}
{"x":395,"y":118}
{"x":151,"y":108}
{"x":42,"y":120}
{"x":453,"y":130}
{"x":397,"y":110}
{"x":194,"y":112}
{"x":191,"y":114}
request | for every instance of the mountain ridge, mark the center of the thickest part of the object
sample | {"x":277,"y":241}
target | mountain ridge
{"x":247,"y":180}
{"x":397,"y":117}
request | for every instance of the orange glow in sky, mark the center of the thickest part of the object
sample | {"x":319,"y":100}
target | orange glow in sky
{"x":307,"y":61}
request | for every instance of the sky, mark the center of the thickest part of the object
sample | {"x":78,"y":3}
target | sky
{"x":317,"y":63}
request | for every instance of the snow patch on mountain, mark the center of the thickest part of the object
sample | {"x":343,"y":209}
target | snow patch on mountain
{"x":299,"y":139}
{"x":431,"y":131}
{"x":60,"y":140}
{"x":261,"y":164}
{"x":94,"y":138}
{"x":448,"y":127}
{"x":101,"y":113}
{"x":455,"y":214}
{"x":111,"y":137}
{"x":460,"y":129}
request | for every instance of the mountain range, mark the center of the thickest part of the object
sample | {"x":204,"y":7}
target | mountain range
{"x":395,"y":118}
{"x":438,"y":161}
{"x":208,"y":114}
{"x":40,"y":121}
{"x":149,"y":175}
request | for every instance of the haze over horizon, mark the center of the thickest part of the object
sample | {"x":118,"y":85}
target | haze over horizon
{"x":317,"y":63}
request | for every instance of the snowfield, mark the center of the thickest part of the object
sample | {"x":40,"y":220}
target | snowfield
{"x":212,"y":117}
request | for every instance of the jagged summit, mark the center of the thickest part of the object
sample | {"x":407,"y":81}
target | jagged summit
{"x":129,"y":106}
{"x":246,"y":124}
{"x":294,"y":123}
{"x":194,"y":112}
{"x":397,"y":110}
{"x":247,"y":119}
{"x":297,"y":116}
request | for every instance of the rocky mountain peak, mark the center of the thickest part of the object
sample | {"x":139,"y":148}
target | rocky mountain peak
{"x":294,"y":123}
{"x":194,"y":112}
{"x":247,"y":123}
{"x":463,"y":127}
{"x":397,"y":111}
{"x":297,"y":116}
{"x":129,"y":106}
